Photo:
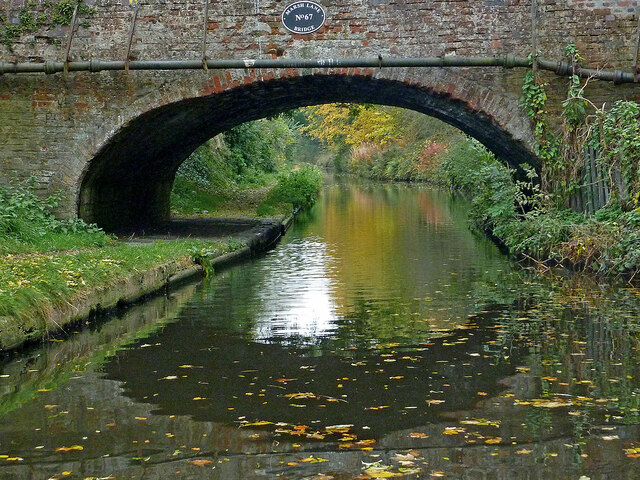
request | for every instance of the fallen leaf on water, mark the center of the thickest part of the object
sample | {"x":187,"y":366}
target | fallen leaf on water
{"x":481,"y":421}
{"x":201,"y":462}
{"x":314,"y":460}
{"x":301,"y":395}
{"x":381,"y":472}
{"x":453,"y":430}
{"x":338,"y":428}
{"x":169,"y":377}
{"x":632,"y":452}
{"x":404,"y":457}
{"x":69,"y":449}
{"x":418,"y":435}
{"x":257,"y":424}
{"x":493,"y":441}
{"x":555,"y":403}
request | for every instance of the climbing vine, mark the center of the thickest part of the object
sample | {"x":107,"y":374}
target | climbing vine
{"x":617,"y":134}
{"x":32,"y":18}
{"x":534,"y":101}
{"x":613,"y":133}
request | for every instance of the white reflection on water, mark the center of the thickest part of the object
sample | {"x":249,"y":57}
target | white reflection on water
{"x":298,"y":300}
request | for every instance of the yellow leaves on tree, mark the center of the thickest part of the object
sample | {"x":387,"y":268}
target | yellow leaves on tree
{"x":337,"y":124}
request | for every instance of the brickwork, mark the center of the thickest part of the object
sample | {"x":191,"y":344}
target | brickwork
{"x":113,"y":140}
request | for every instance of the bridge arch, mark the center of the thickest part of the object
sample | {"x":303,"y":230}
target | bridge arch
{"x":129,"y":180}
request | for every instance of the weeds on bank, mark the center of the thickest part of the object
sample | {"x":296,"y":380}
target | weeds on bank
{"x":27,"y":224}
{"x":296,"y":189}
{"x":45,"y":262}
{"x":43,"y":281}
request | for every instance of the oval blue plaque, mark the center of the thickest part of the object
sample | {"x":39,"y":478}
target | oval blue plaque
{"x":303,"y":17}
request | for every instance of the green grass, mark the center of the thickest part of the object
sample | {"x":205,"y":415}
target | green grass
{"x":32,"y":284}
{"x":27,"y":224}
{"x":260,"y":195}
{"x":188,"y":198}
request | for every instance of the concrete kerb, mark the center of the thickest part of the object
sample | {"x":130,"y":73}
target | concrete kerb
{"x":139,"y":287}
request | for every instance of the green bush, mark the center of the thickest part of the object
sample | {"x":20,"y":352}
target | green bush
{"x":27,"y":223}
{"x":297,"y":189}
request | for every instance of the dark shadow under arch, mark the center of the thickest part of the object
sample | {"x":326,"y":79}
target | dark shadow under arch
{"x":128,"y":183}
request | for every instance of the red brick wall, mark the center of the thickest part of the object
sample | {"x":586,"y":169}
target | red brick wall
{"x":53,"y":126}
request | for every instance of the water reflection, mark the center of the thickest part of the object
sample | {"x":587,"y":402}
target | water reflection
{"x":382,"y":338}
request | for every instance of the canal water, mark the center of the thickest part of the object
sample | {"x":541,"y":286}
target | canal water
{"x":380,"y":339}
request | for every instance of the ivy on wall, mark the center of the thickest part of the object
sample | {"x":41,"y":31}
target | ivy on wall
{"x":32,"y":18}
{"x":614,"y":133}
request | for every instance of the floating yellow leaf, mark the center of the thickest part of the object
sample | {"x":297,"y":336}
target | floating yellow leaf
{"x":257,"y":424}
{"x":452,"y":430}
{"x":69,"y":449}
{"x":313,"y":460}
{"x":338,"y":428}
{"x":493,"y":441}
{"x":301,"y":395}
{"x":481,"y":421}
{"x":201,"y":462}
{"x":381,"y":472}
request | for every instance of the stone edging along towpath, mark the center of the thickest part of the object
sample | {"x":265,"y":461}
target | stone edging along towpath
{"x":138,"y":286}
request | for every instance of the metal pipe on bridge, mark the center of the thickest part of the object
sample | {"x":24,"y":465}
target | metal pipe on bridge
{"x":506,"y":61}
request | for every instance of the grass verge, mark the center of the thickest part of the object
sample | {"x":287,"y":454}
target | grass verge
{"x":32,"y":285}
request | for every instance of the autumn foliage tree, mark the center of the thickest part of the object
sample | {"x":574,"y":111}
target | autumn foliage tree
{"x":355,"y":125}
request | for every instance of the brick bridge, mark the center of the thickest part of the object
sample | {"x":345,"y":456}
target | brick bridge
{"x":113,"y":139}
